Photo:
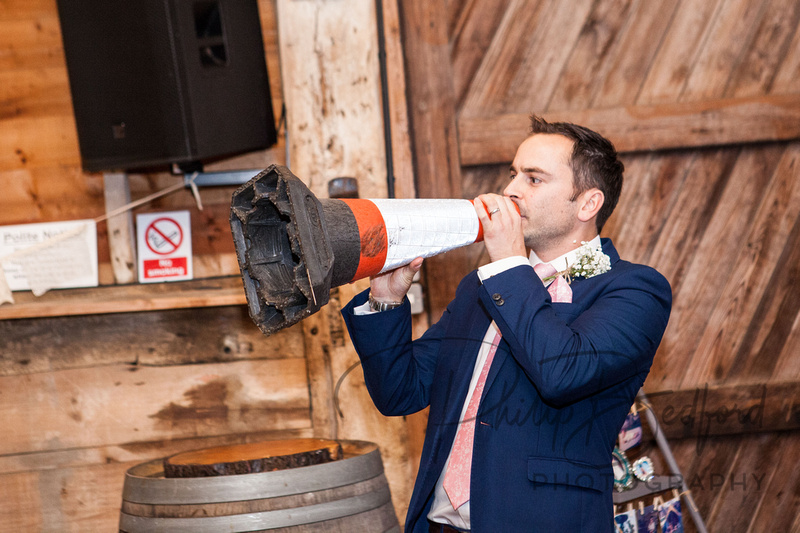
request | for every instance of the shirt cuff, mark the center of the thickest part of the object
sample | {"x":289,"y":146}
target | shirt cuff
{"x":364,"y":309}
{"x":492,"y":269}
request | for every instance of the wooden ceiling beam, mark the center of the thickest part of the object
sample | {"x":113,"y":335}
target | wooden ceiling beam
{"x":494,"y":139}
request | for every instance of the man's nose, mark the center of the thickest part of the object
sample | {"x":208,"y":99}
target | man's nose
{"x":511,"y":190}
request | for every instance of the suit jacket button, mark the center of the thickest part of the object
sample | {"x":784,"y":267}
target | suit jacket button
{"x":498,"y":299}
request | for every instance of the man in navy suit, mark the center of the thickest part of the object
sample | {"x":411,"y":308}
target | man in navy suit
{"x":563,"y":370}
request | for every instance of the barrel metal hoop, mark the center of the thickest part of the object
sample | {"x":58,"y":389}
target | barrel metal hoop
{"x":181,"y":491}
{"x":259,"y":521}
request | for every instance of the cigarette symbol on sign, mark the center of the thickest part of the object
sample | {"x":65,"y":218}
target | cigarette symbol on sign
{"x":163,"y":236}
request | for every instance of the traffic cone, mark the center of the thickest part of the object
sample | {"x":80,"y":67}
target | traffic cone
{"x":292,"y":247}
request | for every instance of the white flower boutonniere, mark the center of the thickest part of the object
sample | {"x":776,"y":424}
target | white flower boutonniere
{"x":590,"y":262}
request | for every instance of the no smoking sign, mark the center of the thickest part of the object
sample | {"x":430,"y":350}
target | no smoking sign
{"x":163,"y":236}
{"x":164,"y":246}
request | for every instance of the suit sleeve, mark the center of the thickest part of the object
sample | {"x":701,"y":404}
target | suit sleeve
{"x":398,"y":372}
{"x":611,"y":340}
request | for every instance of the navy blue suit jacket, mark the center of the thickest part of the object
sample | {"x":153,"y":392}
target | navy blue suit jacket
{"x":562,"y":381}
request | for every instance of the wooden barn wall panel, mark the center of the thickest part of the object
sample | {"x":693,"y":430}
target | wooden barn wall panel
{"x":731,"y":409}
{"x":780,"y":506}
{"x":402,"y":158}
{"x":80,"y":408}
{"x":519,"y":64}
{"x":775,"y":318}
{"x":728,"y":35}
{"x":431,"y":99}
{"x":770,"y":43}
{"x":34,"y":92}
{"x":158,"y":338}
{"x":638,"y":45}
{"x":475,"y":29}
{"x":748,"y":271}
{"x":702,"y":284}
{"x":455,"y":10}
{"x":652,"y":75}
{"x":26,"y":9}
{"x":65,"y":500}
{"x":40,"y":169}
{"x":758,"y":457}
{"x":787,"y":78}
{"x":532,"y":79}
{"x":788,"y":363}
{"x":493,"y":139}
{"x":589,"y":59}
{"x":37,"y":142}
{"x":31,"y":41}
{"x":684,"y":39}
{"x":650,"y":200}
{"x":693,"y":210}
{"x":703,"y":99}
{"x":81,"y":489}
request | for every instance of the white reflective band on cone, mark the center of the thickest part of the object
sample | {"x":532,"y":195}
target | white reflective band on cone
{"x":425,"y":227}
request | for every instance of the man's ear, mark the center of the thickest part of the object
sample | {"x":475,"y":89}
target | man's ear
{"x":591,"y":202}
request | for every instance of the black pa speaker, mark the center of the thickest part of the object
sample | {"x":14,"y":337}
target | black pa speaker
{"x":158,"y":82}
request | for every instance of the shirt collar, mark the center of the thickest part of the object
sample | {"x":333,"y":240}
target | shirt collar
{"x":564,"y":261}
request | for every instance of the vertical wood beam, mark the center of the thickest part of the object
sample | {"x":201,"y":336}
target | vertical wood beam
{"x":121,"y":240}
{"x":432,"y":113}
{"x":431,"y":98}
{"x":334,"y":119}
{"x":402,"y":159}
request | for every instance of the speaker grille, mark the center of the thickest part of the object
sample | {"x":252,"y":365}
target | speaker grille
{"x":161,"y":82}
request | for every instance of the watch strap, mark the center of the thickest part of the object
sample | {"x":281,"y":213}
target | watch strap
{"x":382,"y":306}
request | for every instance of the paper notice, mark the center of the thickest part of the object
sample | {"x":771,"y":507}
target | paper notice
{"x":5,"y":291}
{"x":40,"y":257}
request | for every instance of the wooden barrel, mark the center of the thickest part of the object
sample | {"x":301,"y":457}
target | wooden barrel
{"x":348,"y":495}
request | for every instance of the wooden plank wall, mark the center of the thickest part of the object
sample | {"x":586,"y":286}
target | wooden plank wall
{"x":89,"y":395}
{"x":84,"y":398}
{"x":703,"y":97}
{"x":40,"y":174}
{"x":703,"y":93}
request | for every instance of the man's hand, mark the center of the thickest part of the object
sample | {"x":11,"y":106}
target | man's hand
{"x":392,"y":286}
{"x":502,"y":229}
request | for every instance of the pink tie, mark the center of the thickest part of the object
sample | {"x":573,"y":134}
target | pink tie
{"x":456,"y":479}
{"x":559,"y":289}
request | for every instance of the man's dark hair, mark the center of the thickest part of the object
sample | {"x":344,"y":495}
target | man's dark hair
{"x":594,"y":162}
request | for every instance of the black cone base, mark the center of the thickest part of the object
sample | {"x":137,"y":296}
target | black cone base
{"x":282,"y":247}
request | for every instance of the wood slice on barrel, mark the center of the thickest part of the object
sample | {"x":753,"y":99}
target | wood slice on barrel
{"x":265,"y":456}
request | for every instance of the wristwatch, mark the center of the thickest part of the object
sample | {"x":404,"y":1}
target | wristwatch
{"x":382,"y":306}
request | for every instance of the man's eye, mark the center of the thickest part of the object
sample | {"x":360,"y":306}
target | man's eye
{"x":535,"y":180}
{"x":512,"y":176}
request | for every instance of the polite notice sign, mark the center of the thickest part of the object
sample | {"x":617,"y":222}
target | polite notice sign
{"x":164,"y":246}
{"x":49,"y":255}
